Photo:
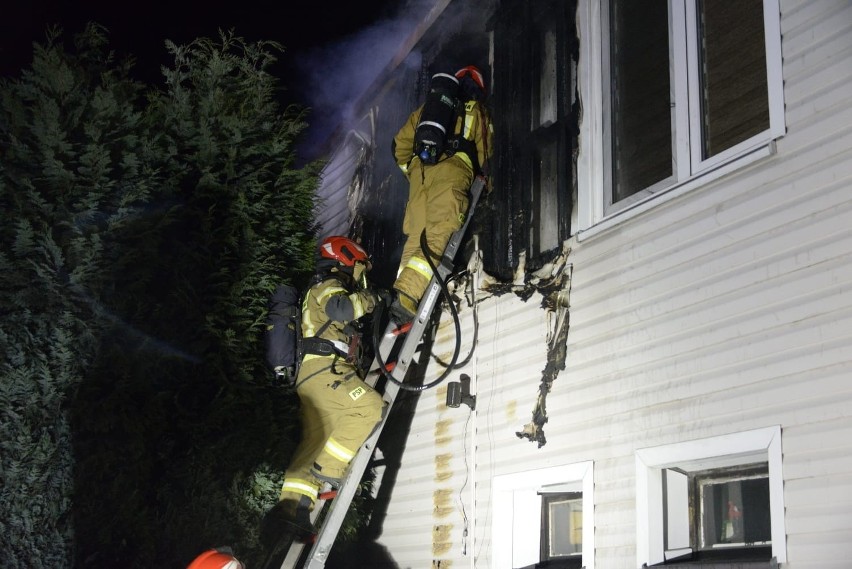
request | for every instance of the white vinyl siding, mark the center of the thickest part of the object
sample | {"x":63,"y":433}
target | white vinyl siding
{"x":723,"y":306}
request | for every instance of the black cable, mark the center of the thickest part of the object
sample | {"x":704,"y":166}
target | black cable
{"x":472,"y":345}
{"x":424,"y":246}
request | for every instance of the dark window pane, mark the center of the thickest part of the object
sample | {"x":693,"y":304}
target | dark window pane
{"x":735,"y":93}
{"x":641,"y":105}
{"x":736,"y":512}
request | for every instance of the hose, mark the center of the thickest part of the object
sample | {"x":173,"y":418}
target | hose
{"x":424,"y":246}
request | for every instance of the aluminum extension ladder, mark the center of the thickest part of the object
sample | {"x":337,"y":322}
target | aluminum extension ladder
{"x":332,"y":511}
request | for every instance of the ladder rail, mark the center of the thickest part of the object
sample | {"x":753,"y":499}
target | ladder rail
{"x":339,"y":506}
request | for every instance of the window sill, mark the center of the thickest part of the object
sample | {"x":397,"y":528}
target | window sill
{"x":751,"y":558}
{"x":655,"y":199}
{"x":722,"y":565}
{"x":558,"y":564}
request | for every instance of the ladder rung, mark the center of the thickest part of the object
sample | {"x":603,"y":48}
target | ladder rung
{"x":402,"y":329}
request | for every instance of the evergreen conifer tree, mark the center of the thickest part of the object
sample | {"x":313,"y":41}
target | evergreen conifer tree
{"x":72,"y":172}
{"x":143,"y":231}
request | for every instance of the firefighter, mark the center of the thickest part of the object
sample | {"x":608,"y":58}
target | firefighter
{"x":219,"y":558}
{"x":438,"y":193}
{"x":338,"y":409}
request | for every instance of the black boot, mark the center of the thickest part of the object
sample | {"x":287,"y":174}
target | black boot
{"x":403,"y":308}
{"x":287,"y":516}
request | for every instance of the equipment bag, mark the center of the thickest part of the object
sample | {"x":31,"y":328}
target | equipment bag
{"x":284,"y":333}
{"x":437,"y":119}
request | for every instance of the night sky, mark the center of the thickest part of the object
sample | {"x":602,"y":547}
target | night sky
{"x":141,"y":28}
{"x":332,"y":50}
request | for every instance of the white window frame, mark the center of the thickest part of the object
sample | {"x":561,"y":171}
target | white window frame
{"x":592,"y":214}
{"x":722,"y":451}
{"x":516,"y":525}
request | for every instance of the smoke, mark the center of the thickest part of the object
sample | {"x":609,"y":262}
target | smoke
{"x":334,"y":77}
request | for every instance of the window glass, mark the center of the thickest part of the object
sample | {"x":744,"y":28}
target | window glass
{"x":564,"y":525}
{"x":640,"y":99}
{"x":547,"y":103}
{"x":547,"y":137}
{"x":735,"y":513}
{"x":716,"y":509}
{"x":676,"y":497}
{"x":733,"y":63}
{"x":534,"y":49}
{"x":544,"y":231}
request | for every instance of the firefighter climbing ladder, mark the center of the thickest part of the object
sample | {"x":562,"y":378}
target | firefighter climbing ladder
{"x":314,"y":555}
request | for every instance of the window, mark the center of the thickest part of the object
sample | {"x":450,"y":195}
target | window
{"x":733,"y":508}
{"x":544,"y":518}
{"x":561,"y":527}
{"x":533,"y":102}
{"x":547,"y":135}
{"x":719,"y":513}
{"x":712,"y":499}
{"x":686,"y":87}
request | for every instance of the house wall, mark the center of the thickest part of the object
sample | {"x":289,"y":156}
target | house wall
{"x":726,"y":309}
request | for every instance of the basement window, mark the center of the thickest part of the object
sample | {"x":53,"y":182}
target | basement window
{"x":544,"y":518}
{"x":717,"y":514}
{"x":717,"y":500}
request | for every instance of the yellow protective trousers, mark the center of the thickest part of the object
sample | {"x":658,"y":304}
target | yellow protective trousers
{"x":437,"y":202}
{"x":338,"y":413}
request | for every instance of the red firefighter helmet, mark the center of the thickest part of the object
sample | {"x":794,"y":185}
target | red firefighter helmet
{"x":474,"y":73}
{"x":343,"y":250}
{"x":216,"y":559}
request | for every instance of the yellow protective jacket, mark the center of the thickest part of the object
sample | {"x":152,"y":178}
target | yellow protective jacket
{"x":326,"y":310}
{"x":475,"y":126}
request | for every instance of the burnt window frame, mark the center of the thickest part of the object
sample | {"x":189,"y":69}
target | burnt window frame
{"x":520,"y":28}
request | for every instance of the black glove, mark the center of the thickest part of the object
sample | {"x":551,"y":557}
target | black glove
{"x":382,"y":296}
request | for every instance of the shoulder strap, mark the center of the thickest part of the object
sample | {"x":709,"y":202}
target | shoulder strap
{"x":316,"y":344}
